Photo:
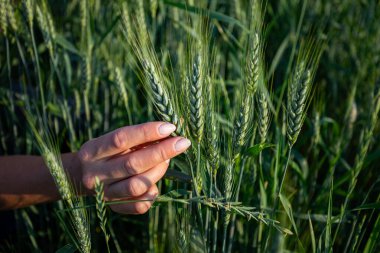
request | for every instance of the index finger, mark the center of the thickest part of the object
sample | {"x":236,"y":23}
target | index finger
{"x":122,"y":139}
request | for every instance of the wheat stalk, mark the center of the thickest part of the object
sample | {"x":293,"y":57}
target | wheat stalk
{"x":83,"y":6}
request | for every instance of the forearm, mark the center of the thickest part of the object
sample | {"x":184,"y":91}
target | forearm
{"x":25,"y":180}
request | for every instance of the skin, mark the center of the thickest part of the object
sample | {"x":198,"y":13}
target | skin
{"x":129,"y":161}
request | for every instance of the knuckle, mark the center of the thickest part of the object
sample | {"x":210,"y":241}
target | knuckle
{"x":130,"y":166}
{"x":118,"y":139}
{"x":88,"y":182}
{"x":145,"y":131}
{"x":135,"y":188}
{"x":161,"y":154}
{"x":142,"y":207}
{"x":83,"y":154}
{"x":154,"y":192}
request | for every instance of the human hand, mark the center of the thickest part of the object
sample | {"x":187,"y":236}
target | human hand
{"x":130,"y":161}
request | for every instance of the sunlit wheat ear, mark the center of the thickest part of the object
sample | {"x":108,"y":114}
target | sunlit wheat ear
{"x":160,"y":96}
{"x":153,"y":78}
{"x":53,"y":162}
{"x":198,"y":75}
{"x":64,"y":187}
{"x":82,"y":229}
{"x":58,"y":173}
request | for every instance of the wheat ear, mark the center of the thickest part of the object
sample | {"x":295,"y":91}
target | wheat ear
{"x":3,"y":16}
{"x":54,"y":163}
{"x":154,"y":78}
{"x":29,"y":9}
{"x":7,"y":16}
{"x":101,"y":208}
{"x":160,"y":96}
{"x":253,"y":75}
{"x":46,"y":31}
{"x":299,"y":91}
{"x":123,"y":92}
{"x":263,"y":115}
{"x":126,"y":20}
{"x":196,"y":104}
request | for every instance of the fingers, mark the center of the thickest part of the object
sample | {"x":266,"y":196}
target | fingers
{"x":137,"y":185}
{"x":138,"y":207}
{"x":124,"y":138}
{"x":139,"y":161}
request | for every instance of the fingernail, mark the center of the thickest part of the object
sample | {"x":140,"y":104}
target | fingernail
{"x":166,"y":129}
{"x":167,"y":161}
{"x":182,"y":145}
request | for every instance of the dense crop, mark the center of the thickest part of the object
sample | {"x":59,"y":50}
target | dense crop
{"x":279,"y":98}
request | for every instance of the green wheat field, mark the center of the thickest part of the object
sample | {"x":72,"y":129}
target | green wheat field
{"x":280,"y":99}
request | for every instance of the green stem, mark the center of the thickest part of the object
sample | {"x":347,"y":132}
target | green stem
{"x":284,"y":174}
{"x":215,"y":232}
{"x":38,"y":74}
{"x":233,"y":221}
{"x":275,"y":205}
{"x":224,"y":236}
{"x":114,"y":239}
